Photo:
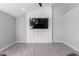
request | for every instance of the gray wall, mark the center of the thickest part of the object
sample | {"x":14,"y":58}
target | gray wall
{"x":21,"y":29}
{"x":7,"y":29}
{"x":40,"y":35}
{"x":25,"y":34}
{"x":57,"y":24}
{"x":71,"y":28}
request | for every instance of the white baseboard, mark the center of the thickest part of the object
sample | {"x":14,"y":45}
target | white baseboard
{"x":70,"y":46}
{"x":67,"y":45}
{"x":57,"y":41}
{"x":21,"y":42}
{"x":7,"y":46}
{"x":30,"y":42}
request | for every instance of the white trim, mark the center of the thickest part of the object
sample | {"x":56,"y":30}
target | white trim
{"x":57,"y":41}
{"x":39,"y":42}
{"x":70,"y":46}
{"x":67,"y":45}
{"x":21,"y":42}
{"x":7,"y":46}
{"x":31,"y":42}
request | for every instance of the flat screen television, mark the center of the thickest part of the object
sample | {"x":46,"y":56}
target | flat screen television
{"x":39,"y":23}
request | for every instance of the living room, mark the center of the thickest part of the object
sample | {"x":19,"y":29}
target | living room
{"x":19,"y":34}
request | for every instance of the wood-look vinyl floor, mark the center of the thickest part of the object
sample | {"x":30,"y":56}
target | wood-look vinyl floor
{"x":38,"y":49}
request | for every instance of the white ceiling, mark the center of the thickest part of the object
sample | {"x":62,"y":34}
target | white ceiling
{"x":20,"y":9}
{"x":16,"y":9}
{"x":66,"y":7}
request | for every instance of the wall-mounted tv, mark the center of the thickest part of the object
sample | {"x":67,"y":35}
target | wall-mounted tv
{"x":39,"y":23}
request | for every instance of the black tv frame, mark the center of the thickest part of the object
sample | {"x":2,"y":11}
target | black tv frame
{"x":39,"y":23}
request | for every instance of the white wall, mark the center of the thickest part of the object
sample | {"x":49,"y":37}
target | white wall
{"x":71,"y":28}
{"x":65,"y":27}
{"x":57,"y":24}
{"x":21,"y":29}
{"x":7,"y":29}
{"x":40,"y":35}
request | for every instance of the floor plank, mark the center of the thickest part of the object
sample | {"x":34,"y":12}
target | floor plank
{"x":38,"y":49}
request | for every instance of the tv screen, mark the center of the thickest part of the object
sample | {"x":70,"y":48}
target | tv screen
{"x":39,"y":23}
